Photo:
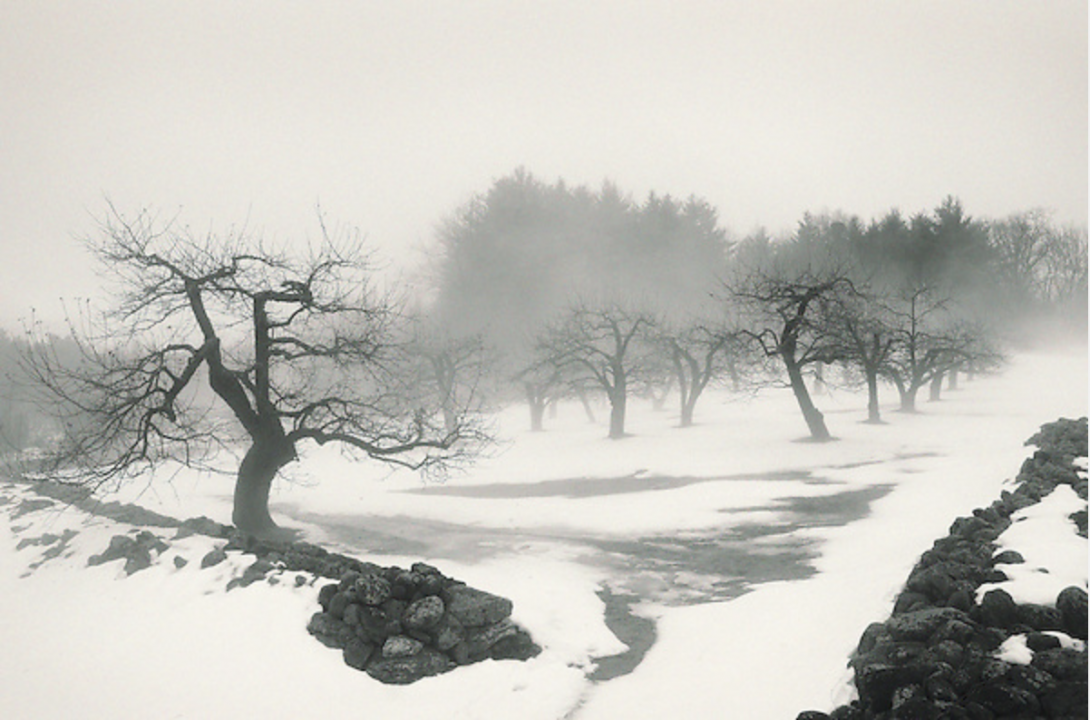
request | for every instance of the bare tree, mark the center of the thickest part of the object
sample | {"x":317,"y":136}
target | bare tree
{"x":930,"y":339}
{"x":699,"y":354}
{"x":295,"y":349}
{"x":867,"y":338}
{"x":598,"y":342}
{"x":791,"y":312}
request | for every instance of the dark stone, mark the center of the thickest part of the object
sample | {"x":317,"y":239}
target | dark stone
{"x":424,"y":614}
{"x":1004,"y":700}
{"x":402,"y":671}
{"x":1031,"y":679}
{"x":357,"y":652}
{"x":325,"y":595}
{"x":372,"y":589}
{"x":180,"y":562}
{"x":1071,"y":602}
{"x":1040,"y":617}
{"x":1066,"y":700}
{"x":352,"y":615}
{"x":1062,"y":664}
{"x":151,"y":541}
{"x":870,"y":637}
{"x":475,"y":608}
{"x":338,"y":604}
{"x":847,"y":712}
{"x":213,"y":557}
{"x":202,"y":526}
{"x":449,"y":633}
{"x":400,"y":646}
{"x":376,"y":625}
{"x":949,"y":652}
{"x":921,"y":624}
{"x":1038,"y":642}
{"x":811,"y":715}
{"x":909,"y":601}
{"x":998,"y":609}
{"x":877,"y":683}
{"x":1008,"y":557}
{"x":961,"y":599}
{"x":139,"y":558}
{"x":987,"y":638}
{"x":940,"y":688}
{"x":517,"y":646}
{"x":329,"y":631}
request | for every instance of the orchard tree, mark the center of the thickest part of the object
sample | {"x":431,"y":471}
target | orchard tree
{"x":791,"y":303}
{"x":598,"y":342}
{"x":931,"y":339}
{"x":295,"y":349}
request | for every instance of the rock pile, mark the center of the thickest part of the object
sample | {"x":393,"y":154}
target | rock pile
{"x":403,"y":625}
{"x":936,"y":657}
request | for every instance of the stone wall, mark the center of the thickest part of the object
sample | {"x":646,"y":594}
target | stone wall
{"x":400,"y":625}
{"x":936,"y":655}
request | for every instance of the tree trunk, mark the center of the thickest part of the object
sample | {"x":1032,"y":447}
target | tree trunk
{"x":537,"y":415}
{"x":815,"y":421}
{"x":618,"y":398}
{"x":255,"y":475}
{"x":582,"y":393}
{"x":936,"y":388}
{"x":873,"y":413}
{"x":908,"y":398}
{"x":952,"y":380}
{"x":687,"y":409}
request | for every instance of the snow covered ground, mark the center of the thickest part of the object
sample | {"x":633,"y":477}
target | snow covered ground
{"x":760,"y":557}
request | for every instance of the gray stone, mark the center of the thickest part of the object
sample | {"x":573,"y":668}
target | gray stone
{"x":405,"y":670}
{"x":424,"y":614}
{"x":329,"y":631}
{"x":1071,"y":602}
{"x":214,"y":557}
{"x":357,"y":652}
{"x":372,"y":589}
{"x":921,"y":624}
{"x":998,"y":609}
{"x":475,"y":608}
{"x":400,"y":646}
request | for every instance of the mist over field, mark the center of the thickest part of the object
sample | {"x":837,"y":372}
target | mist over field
{"x":686,"y":327}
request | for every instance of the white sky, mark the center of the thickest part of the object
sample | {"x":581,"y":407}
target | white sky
{"x":391,"y":114}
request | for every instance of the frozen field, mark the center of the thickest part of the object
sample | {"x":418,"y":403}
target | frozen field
{"x":752,"y":558}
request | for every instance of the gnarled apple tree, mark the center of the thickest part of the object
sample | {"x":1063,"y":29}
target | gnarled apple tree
{"x":226,"y":331}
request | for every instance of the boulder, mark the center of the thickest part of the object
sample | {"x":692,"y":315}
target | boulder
{"x":372,"y":589}
{"x":1040,"y":617}
{"x":329,"y":631}
{"x":400,"y":646}
{"x":357,"y":652}
{"x":476,"y":608}
{"x":405,"y":670}
{"x":1066,"y":700}
{"x":920,"y":625}
{"x":325,"y":595}
{"x":1008,"y":557}
{"x":424,"y":614}
{"x":1062,"y":664}
{"x":1071,"y":603}
{"x":213,"y":557}
{"x":998,"y":609}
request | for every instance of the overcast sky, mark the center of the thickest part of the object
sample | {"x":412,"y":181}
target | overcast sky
{"x":391,"y":114}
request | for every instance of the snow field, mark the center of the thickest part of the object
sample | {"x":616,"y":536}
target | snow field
{"x":87,"y":642}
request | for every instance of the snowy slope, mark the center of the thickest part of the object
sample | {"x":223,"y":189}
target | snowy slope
{"x":547,"y":520}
